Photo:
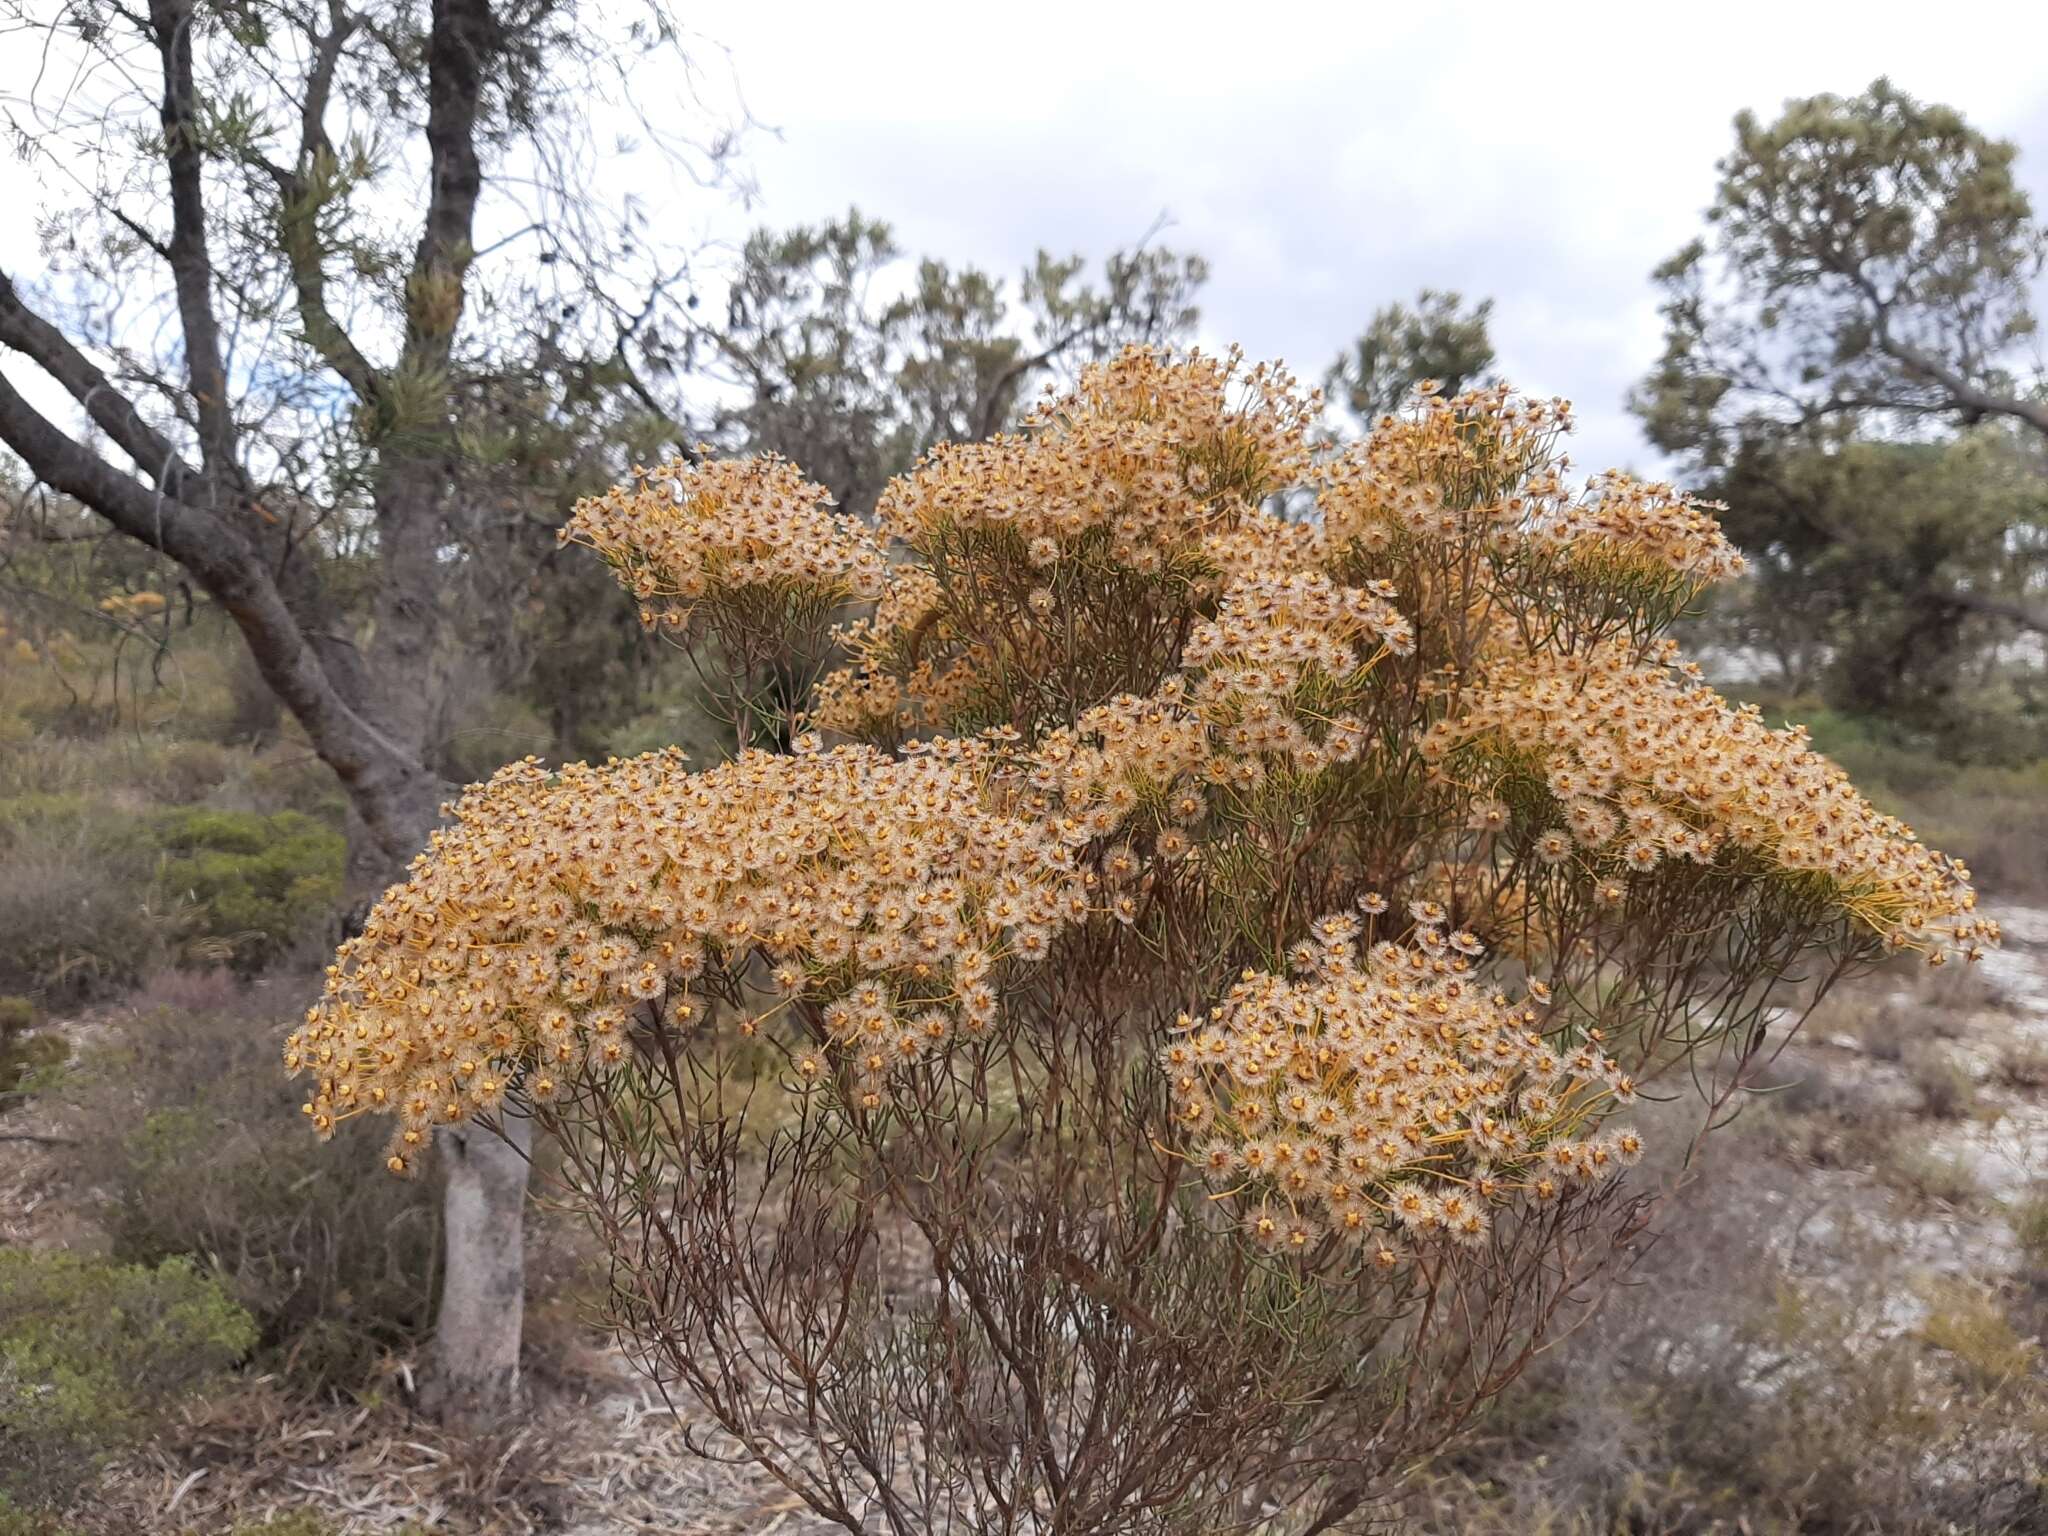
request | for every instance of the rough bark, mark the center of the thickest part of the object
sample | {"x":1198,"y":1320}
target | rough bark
{"x":367,"y":712}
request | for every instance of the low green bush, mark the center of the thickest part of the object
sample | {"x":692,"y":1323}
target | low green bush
{"x":197,"y":1142}
{"x":95,"y":896}
{"x":93,"y":1355}
{"x":248,"y":885}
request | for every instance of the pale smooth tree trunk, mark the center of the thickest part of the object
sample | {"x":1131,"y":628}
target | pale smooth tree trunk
{"x":474,"y":1380}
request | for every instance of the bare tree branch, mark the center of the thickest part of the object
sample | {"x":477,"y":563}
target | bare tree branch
{"x":190,"y":260}
{"x":48,"y":348}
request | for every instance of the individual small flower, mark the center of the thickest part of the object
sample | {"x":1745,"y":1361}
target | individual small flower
{"x":1487,"y":816}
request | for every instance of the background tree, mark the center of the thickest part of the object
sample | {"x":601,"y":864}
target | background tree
{"x":838,"y":353}
{"x":1870,"y":256}
{"x":1838,"y":355}
{"x":1439,"y":338}
{"x":281,"y":217}
{"x":1879,"y":570}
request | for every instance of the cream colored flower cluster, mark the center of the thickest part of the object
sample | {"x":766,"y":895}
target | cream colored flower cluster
{"x":906,"y":660}
{"x":1148,"y":455}
{"x":1277,"y":663}
{"x":1387,"y":1094}
{"x":1643,"y":765}
{"x":1128,"y":754}
{"x":1484,"y":460}
{"x":1484,"y":464}
{"x":684,"y":533}
{"x":1624,"y":522}
{"x":879,"y":899}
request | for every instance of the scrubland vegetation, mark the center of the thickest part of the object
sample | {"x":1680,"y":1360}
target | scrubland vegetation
{"x":905,"y":1157}
{"x":1804,"y":1383}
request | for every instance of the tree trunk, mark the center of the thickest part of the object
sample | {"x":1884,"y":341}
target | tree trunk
{"x":475,"y":1377}
{"x":368,"y":717}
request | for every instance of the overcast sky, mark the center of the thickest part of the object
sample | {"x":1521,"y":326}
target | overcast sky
{"x":1325,"y":159}
{"x":1328,"y":159}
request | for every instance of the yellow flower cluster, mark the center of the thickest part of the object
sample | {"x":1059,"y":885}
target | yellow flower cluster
{"x":684,"y":533}
{"x":1625,"y":522}
{"x":881,"y":897}
{"x":1279,"y":659}
{"x":1641,"y":765}
{"x":1147,"y":456}
{"x":1389,"y":1093}
{"x":1483,"y":463}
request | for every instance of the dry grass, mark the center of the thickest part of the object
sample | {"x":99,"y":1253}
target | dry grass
{"x":620,"y":1464}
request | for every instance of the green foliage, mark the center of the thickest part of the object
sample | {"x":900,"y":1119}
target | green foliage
{"x":1437,"y":339}
{"x":1880,"y":250}
{"x":96,"y":895}
{"x":254,"y":883}
{"x":151,"y":842}
{"x":93,"y":1354}
{"x":214,"y":1163}
{"x":1864,"y":290}
{"x":1886,"y":573}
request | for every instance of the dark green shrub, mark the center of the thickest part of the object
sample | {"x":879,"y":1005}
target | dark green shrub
{"x":247,"y":884}
{"x":198,"y":1142}
{"x":94,"y":1354}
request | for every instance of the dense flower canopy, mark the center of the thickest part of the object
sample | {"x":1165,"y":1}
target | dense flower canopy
{"x":1390,"y":1094}
{"x":1180,"y":671}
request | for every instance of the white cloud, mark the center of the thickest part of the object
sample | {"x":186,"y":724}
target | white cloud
{"x":1325,"y":158}
{"x":1328,"y":159}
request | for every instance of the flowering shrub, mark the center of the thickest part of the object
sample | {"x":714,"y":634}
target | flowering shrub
{"x":1161,"y":1062}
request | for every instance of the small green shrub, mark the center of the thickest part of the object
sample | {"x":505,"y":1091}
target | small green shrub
{"x":198,"y":1142}
{"x":94,"y":1354}
{"x":97,"y":895}
{"x":248,"y":884}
